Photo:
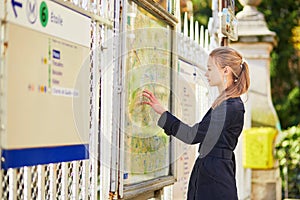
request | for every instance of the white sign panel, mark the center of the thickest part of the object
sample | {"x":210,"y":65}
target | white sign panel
{"x":50,"y":18}
{"x":47,"y":79}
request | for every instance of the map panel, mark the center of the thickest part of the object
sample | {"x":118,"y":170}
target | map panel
{"x":148,"y":61}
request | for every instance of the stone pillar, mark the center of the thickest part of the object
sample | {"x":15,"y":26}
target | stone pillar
{"x":256,"y":42}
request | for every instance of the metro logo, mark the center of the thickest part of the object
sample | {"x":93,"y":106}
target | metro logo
{"x":31,"y":11}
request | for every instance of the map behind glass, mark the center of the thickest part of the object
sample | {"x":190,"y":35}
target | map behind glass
{"x":148,"y":61}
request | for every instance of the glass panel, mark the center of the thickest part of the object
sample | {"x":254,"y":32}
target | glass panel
{"x":148,"y":61}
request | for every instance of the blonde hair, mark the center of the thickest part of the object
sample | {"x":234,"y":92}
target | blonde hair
{"x":226,"y":56}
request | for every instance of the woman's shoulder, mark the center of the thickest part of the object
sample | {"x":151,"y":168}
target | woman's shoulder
{"x":232,"y":105}
{"x":235,"y":104}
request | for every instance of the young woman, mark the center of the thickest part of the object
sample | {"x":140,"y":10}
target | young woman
{"x":213,"y":175}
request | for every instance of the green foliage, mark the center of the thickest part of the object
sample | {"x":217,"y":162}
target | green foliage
{"x":202,"y":11}
{"x":282,"y":17}
{"x":288,"y":154}
{"x":288,"y":108}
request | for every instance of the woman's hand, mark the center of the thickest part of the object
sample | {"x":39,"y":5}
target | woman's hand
{"x":153,"y":102}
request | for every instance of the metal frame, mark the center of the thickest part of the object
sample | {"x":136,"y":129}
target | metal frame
{"x":154,"y":8}
{"x":122,"y":43}
{"x":117,"y":89}
{"x":2,"y":106}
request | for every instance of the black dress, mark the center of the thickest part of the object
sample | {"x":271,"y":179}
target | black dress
{"x":213,"y":175}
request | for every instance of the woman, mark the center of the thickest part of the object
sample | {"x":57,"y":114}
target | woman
{"x":213,"y":175}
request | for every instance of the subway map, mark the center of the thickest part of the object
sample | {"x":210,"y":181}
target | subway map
{"x":148,"y":61}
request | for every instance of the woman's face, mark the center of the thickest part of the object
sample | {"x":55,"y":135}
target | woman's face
{"x":213,"y":74}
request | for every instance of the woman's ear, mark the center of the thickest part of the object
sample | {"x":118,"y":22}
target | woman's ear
{"x":226,"y":70}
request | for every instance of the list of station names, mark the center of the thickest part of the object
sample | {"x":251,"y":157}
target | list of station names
{"x":58,"y":70}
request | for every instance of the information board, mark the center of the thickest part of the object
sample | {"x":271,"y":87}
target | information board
{"x":148,"y":62}
{"x":46,"y":85}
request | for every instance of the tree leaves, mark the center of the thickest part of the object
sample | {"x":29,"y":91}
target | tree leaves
{"x":288,"y":154}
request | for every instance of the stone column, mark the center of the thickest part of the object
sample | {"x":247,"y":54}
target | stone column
{"x":256,"y":42}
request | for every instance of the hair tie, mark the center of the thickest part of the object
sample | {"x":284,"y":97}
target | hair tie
{"x":243,"y":61}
